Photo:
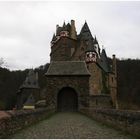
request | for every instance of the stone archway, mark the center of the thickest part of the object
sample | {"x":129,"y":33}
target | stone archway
{"x":67,"y":100}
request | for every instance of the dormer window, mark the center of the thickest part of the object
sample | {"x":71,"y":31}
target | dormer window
{"x":64,"y":33}
{"x":90,"y":57}
{"x":96,"y":46}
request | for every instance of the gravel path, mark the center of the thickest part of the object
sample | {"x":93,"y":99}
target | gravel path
{"x":69,"y":125}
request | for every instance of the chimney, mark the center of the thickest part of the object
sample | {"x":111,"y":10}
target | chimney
{"x":114,"y":66}
{"x":72,"y":23}
{"x":73,"y":30}
{"x":36,"y":75}
{"x":114,"y":69}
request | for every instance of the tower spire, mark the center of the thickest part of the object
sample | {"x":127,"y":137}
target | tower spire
{"x":64,"y":24}
{"x":85,"y":32}
{"x":53,"y":38}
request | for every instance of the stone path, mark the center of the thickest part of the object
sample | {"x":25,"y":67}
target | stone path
{"x":70,"y":125}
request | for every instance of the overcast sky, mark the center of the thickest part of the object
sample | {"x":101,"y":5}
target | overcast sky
{"x":26,"y":28}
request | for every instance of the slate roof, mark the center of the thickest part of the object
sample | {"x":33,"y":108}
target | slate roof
{"x":85,"y":28}
{"x":90,"y":46}
{"x":67,"y":68}
{"x":54,"y":37}
{"x":103,"y":62}
{"x":85,"y":32}
{"x":31,"y":80}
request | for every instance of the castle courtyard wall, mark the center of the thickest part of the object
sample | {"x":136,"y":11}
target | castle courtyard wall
{"x":124,"y":120}
{"x":14,"y":120}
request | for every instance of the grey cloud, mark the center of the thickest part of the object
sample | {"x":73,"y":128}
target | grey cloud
{"x":26,"y":28}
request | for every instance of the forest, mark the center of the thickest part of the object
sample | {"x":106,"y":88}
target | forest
{"x":129,"y":83}
{"x":128,"y":77}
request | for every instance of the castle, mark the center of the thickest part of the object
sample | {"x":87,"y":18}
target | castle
{"x":80,"y":73}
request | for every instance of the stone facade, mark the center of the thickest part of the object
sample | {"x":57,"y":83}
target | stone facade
{"x":78,"y":83}
{"x":101,"y":86}
{"x":79,"y":65}
{"x":66,"y":47}
{"x":100,"y":101}
{"x":95,"y":80}
{"x":67,"y":74}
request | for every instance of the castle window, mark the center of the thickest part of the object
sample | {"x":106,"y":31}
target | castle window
{"x":112,"y":79}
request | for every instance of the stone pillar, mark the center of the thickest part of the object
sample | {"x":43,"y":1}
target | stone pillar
{"x":114,"y":90}
{"x":73,"y":30}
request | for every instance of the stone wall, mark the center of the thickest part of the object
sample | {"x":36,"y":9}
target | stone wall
{"x":113,"y":89}
{"x":63,"y":49}
{"x":78,"y":83}
{"x":12,"y":121}
{"x":127,"y":121}
{"x":95,"y":80}
{"x":100,"y":101}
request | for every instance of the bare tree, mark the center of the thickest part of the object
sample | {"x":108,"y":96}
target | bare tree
{"x":1,"y":62}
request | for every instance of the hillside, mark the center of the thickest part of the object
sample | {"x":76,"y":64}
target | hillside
{"x":129,"y":83}
{"x":10,"y":82}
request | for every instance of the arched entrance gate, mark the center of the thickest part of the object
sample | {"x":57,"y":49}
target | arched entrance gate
{"x":67,"y":100}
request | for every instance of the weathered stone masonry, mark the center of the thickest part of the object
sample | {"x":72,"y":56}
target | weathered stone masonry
{"x":14,"y":120}
{"x":127,"y":121}
{"x":67,"y":74}
{"x":67,"y":45}
{"x":78,"y":83}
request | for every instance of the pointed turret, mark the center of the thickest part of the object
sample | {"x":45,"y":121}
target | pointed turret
{"x":64,"y":24}
{"x":104,"y":61}
{"x":91,"y":54}
{"x":28,"y":92}
{"x":85,"y":28}
{"x":64,"y":28}
{"x":96,"y":46}
{"x":95,"y":40}
{"x":85,"y":32}
{"x":31,"y":80}
{"x":68,"y":27}
{"x":54,"y":37}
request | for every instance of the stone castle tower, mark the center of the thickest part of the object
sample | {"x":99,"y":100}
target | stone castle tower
{"x":77,"y":64}
{"x":28,"y":93}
